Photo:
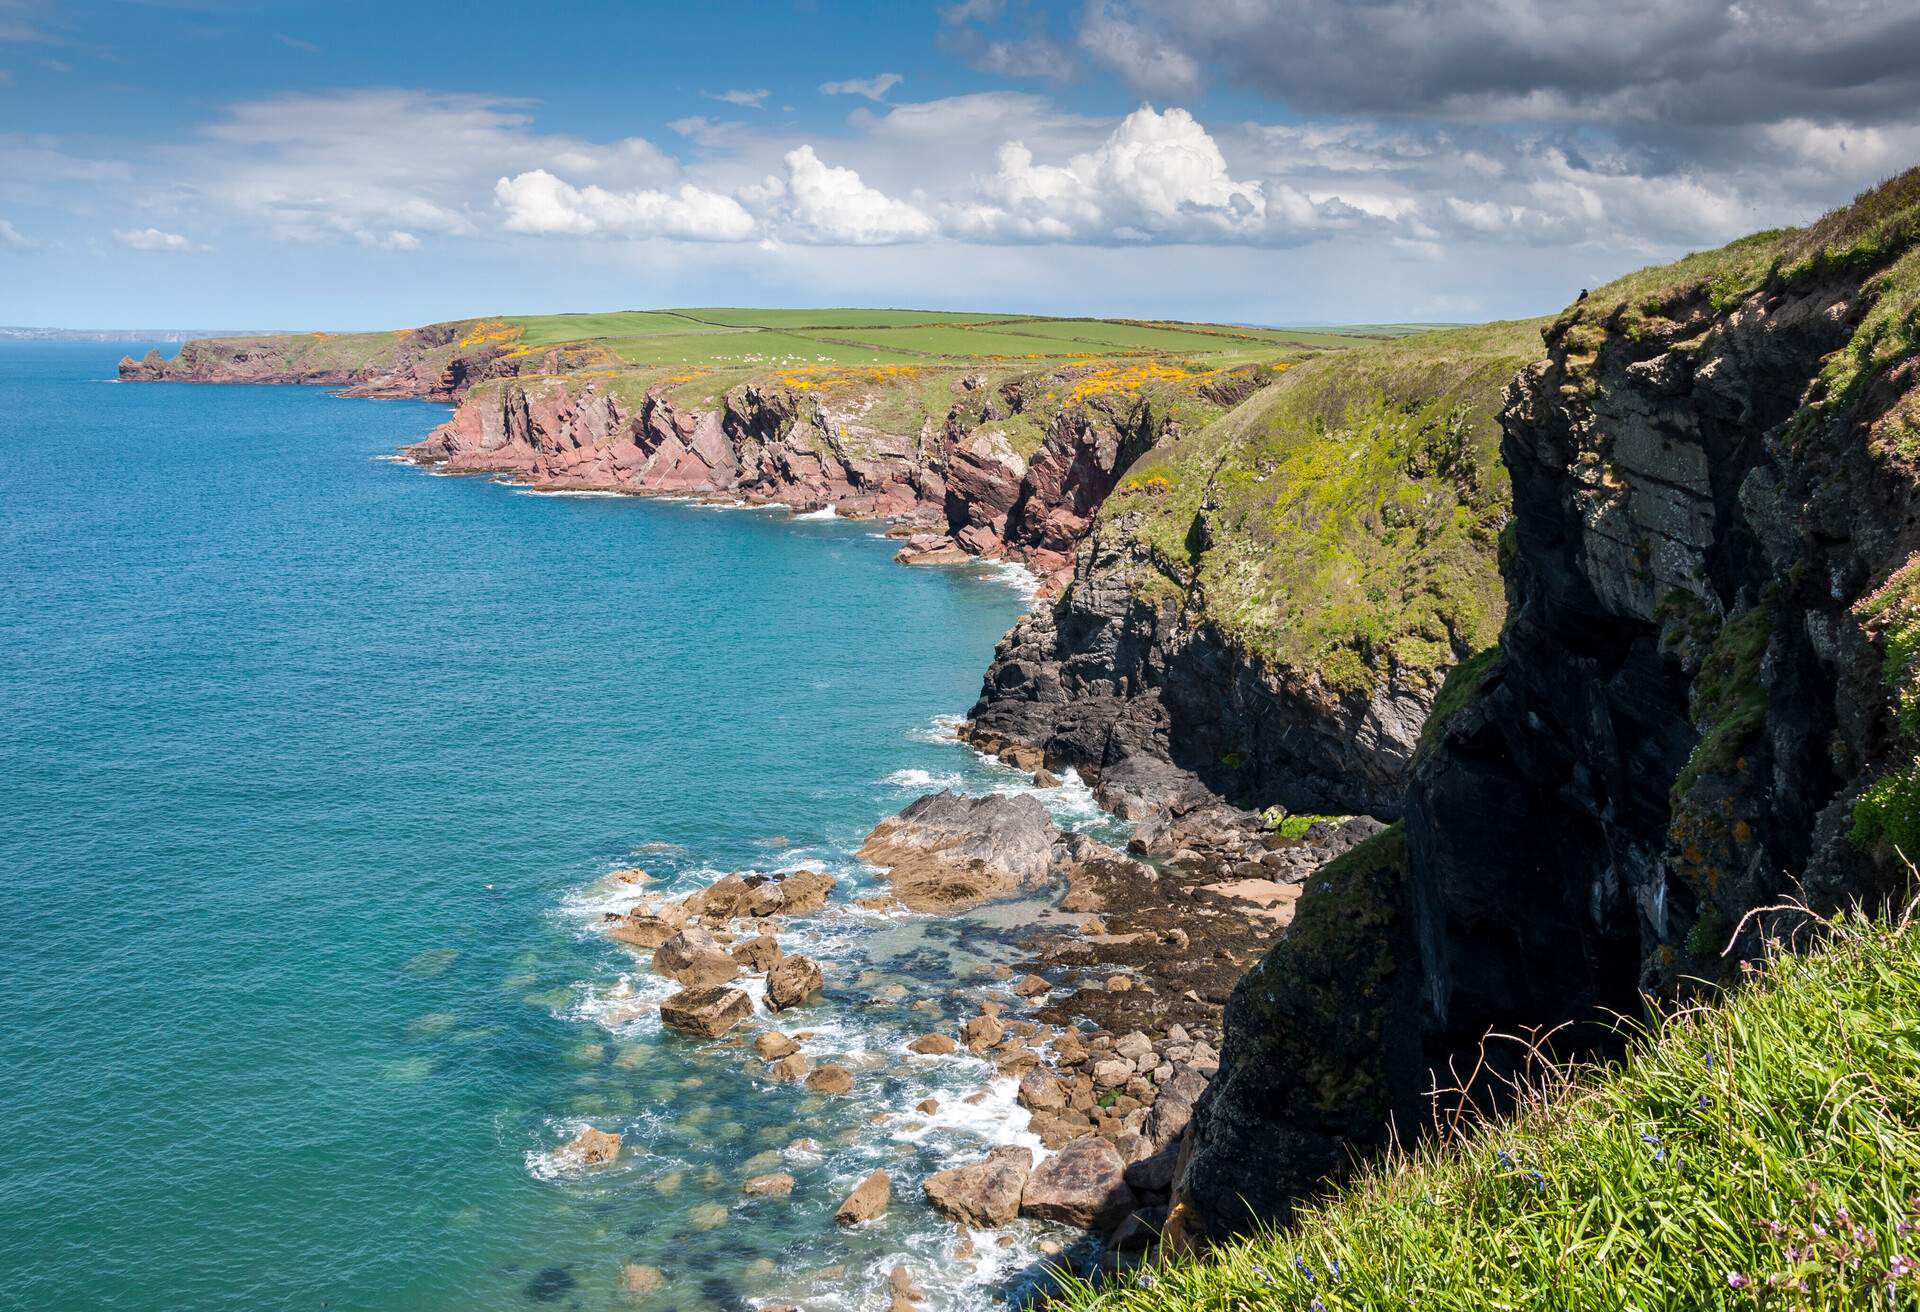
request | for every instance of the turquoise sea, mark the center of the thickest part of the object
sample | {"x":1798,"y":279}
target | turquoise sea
{"x":312,"y":763}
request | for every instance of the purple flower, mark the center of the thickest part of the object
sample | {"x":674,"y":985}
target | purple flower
{"x":1261,"y":1271}
{"x":1316,"y":1306}
{"x":1735,"y":1280}
{"x":1303,"y":1269}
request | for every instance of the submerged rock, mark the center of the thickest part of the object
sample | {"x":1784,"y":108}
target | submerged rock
{"x":776,"y":1184}
{"x":638,"y":1280}
{"x":831,"y":1079}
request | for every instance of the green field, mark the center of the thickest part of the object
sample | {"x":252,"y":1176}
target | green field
{"x":730,"y":338}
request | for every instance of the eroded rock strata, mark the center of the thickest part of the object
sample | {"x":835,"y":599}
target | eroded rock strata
{"x":1702,"y":701}
{"x":1272,"y":602}
{"x":961,"y":483}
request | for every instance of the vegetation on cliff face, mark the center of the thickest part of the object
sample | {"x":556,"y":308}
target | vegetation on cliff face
{"x":1763,"y":1152}
{"x":1343,"y":523}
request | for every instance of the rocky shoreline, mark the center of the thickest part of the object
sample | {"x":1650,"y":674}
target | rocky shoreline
{"x":1110,"y":1023}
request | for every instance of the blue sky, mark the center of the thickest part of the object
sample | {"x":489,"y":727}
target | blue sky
{"x":221,"y":163}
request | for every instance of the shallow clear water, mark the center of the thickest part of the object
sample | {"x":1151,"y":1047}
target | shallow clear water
{"x":312,"y":762}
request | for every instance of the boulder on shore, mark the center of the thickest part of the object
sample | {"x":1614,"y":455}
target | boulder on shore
{"x":867,"y":1201}
{"x":792,"y":982}
{"x":758,"y":954}
{"x":948,"y":850}
{"x":773,"y":1045}
{"x":695,"y":958}
{"x":1084,"y":1185}
{"x":982,"y":1194}
{"x":933,"y":1045}
{"x":708,"y":1013}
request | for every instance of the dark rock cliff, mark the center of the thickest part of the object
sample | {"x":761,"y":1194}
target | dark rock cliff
{"x":1272,"y":602}
{"x":1703,"y":701}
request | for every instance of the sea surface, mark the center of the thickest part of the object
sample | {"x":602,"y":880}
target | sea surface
{"x":311,"y":765}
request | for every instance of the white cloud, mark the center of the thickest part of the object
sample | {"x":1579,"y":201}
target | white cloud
{"x":744,"y":99}
{"x":12,"y":239}
{"x":834,"y":206}
{"x":152,"y":239}
{"x":1156,"y":176}
{"x":362,"y":165}
{"x":873,"y":88}
{"x":539,"y":203}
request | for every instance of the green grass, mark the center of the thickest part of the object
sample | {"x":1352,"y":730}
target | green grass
{"x":1343,"y":522}
{"x":1760,"y":1152}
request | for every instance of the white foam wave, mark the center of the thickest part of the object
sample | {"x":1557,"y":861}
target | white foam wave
{"x":567,"y":492}
{"x":940,"y":729}
{"x":1014,"y":575}
{"x":922,"y":780}
{"x":824,"y":513}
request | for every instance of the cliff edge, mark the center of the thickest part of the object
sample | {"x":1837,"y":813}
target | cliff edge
{"x":1704,"y":700}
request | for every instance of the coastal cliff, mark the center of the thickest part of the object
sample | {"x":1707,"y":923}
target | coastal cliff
{"x":1272,"y":602}
{"x":955,"y":488}
{"x":1703,"y":702}
{"x":986,"y":454}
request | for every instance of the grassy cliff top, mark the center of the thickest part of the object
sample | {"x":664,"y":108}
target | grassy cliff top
{"x":1343,"y":522}
{"x":887,"y":372}
{"x":1879,"y":233}
{"x":1763,"y":1152}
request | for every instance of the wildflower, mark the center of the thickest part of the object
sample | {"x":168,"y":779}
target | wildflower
{"x":1539,"y":1183}
{"x":1505,"y":1160}
{"x":1773,"y":1227}
{"x":1903,"y":1227}
{"x":1316,"y":1306}
{"x":1333,"y":1268}
{"x":1143,"y":1281}
{"x":1735,"y":1280}
{"x":1261,"y":1271}
{"x":1703,"y":1102}
{"x":1901,"y":1266}
{"x":1709,"y":1059}
{"x":1303,"y":1269}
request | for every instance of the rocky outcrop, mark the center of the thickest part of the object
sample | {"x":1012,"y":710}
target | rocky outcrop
{"x":963,"y":483}
{"x":947,"y":850}
{"x":439,"y":362}
{"x":1703,"y":702}
{"x":1269,"y":618}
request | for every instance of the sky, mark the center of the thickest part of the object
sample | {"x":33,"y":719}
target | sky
{"x":250,"y":165}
